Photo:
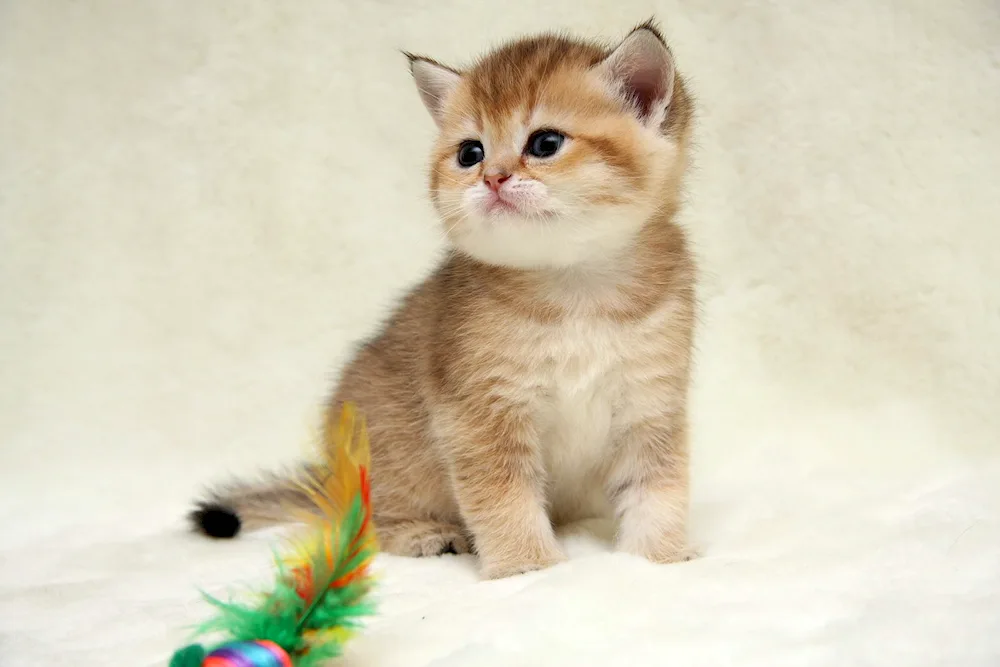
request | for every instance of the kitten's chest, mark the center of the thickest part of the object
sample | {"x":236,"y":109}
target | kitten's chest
{"x":590,"y":379}
{"x":583,"y":364}
{"x":582,"y":380}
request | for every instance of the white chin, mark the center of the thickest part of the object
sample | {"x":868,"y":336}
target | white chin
{"x":508,"y":240}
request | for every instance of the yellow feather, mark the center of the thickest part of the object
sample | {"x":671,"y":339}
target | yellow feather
{"x":332,"y":490}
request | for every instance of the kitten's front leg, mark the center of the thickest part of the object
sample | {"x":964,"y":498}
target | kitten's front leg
{"x":499,"y":483}
{"x":648,"y":486}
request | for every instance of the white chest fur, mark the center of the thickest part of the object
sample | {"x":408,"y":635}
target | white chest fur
{"x":590,"y":375}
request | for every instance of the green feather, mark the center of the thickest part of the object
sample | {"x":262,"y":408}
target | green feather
{"x":282,"y":615}
{"x":312,"y":624}
{"x":189,"y":656}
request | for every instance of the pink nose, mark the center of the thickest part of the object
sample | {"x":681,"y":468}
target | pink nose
{"x":495,"y":180}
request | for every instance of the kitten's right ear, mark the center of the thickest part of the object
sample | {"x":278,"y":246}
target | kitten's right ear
{"x":642,"y":69}
{"x":434,"y":83}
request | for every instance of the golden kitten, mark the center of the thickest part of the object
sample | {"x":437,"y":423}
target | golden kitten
{"x":540,"y":375}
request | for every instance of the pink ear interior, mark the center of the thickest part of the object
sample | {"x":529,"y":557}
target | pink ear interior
{"x":643,"y":69}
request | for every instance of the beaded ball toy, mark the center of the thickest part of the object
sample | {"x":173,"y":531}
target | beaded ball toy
{"x":322,"y":584}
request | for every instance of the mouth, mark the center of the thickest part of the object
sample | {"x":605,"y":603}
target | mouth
{"x":498,"y":206}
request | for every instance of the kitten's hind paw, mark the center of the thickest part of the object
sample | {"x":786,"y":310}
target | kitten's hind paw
{"x":422,"y":538}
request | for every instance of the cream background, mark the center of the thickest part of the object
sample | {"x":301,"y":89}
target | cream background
{"x":202,"y":204}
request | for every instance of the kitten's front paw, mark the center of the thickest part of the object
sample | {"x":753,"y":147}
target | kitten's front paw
{"x":668,"y":554}
{"x":501,"y":569}
{"x":664,"y":547}
{"x":675,"y":556}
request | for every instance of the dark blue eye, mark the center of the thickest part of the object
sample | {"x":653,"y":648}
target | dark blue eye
{"x":544,"y":143}
{"x":470,"y":153}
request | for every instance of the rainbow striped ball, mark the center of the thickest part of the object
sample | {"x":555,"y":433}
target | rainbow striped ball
{"x":258,"y":653}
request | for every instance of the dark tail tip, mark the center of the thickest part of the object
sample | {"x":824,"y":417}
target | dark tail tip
{"x":215,"y":520}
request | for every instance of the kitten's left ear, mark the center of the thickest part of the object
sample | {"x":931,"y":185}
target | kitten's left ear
{"x":642,"y":69}
{"x":434,"y":83}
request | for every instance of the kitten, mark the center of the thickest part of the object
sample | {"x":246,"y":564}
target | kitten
{"x":540,"y":375}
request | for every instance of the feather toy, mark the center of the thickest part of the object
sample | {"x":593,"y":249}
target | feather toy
{"x":322,"y":585}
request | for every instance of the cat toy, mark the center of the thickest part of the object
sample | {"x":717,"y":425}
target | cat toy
{"x":322,"y":584}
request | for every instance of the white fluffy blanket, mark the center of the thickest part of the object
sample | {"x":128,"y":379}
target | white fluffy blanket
{"x":202,"y":204}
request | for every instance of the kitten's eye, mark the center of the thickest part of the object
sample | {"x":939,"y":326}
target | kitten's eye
{"x":544,"y":143}
{"x":470,"y":153}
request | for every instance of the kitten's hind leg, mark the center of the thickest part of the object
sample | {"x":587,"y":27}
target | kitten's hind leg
{"x":420,"y":537}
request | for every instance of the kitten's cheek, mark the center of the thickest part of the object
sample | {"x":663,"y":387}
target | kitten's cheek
{"x":473,"y":203}
{"x":555,"y":203}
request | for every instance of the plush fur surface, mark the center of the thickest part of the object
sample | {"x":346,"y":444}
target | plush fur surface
{"x":204,"y":207}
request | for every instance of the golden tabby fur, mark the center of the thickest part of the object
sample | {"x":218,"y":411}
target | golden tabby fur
{"x":540,"y":375}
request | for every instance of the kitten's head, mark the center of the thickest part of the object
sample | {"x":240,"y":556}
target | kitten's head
{"x":553,"y":152}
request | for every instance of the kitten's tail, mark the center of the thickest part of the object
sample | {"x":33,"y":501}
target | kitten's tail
{"x":237,"y":505}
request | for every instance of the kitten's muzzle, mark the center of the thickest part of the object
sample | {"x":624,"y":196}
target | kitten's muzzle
{"x":494,"y":179}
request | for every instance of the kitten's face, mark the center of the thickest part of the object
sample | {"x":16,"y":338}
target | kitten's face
{"x":539,"y":161}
